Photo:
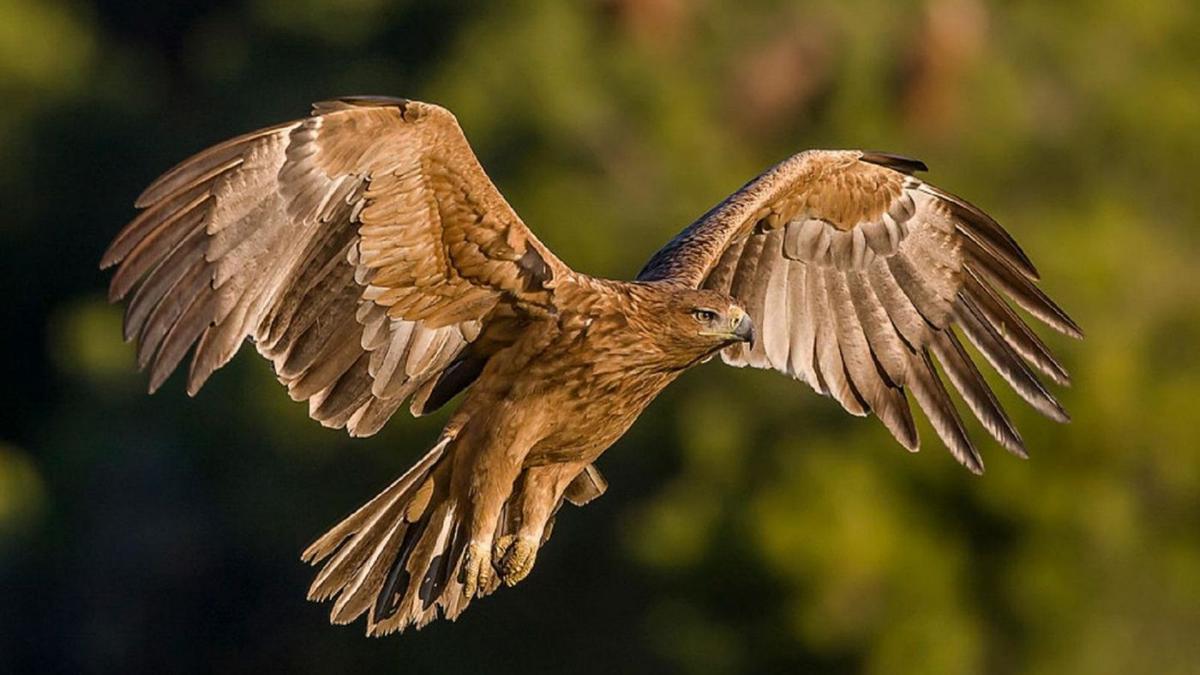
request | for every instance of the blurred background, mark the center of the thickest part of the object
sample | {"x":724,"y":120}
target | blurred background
{"x":750,"y":526}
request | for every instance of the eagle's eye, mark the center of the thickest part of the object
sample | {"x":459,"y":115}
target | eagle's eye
{"x":704,"y":315}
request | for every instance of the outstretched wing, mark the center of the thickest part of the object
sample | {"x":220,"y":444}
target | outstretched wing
{"x":362,"y":249}
{"x":858,"y":274}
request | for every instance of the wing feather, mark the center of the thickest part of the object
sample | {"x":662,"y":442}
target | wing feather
{"x":829,"y":350}
{"x":932,"y":308}
{"x":909,"y":323}
{"x":158,"y":244}
{"x":802,"y":346}
{"x":335,"y":404}
{"x":965,"y":377}
{"x":884,"y":342}
{"x":1021,"y":289}
{"x":984,"y":231}
{"x":167,"y":313}
{"x":769,"y":262}
{"x":188,"y":257}
{"x":183,"y":333}
{"x":875,"y":271}
{"x":1006,"y":362}
{"x":931,"y":395}
{"x":775,"y":334}
{"x":1019,"y":336}
{"x":358,"y":248}
{"x":882,"y":395}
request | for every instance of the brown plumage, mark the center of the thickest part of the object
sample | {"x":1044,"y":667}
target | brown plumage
{"x":366,"y":254}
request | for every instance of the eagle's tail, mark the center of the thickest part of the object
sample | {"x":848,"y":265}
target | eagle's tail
{"x":398,"y":556}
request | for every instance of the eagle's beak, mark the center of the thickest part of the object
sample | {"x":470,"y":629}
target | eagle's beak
{"x":744,"y":330}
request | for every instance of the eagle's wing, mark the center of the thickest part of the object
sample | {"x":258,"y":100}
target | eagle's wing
{"x":856,"y":274}
{"x":362,"y":249}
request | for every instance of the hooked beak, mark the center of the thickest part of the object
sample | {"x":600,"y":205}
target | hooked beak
{"x":741,"y":328}
{"x":744,"y":330}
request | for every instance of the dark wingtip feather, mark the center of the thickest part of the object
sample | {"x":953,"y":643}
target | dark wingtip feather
{"x":1012,"y":329}
{"x":1006,"y":361}
{"x":1073,"y":329}
{"x":974,"y":465}
{"x":893,"y":161}
{"x":977,"y":224}
{"x":158,"y":377}
{"x":974,"y":390}
{"x":116,"y":290}
{"x":110,"y":257}
{"x":896,"y":416}
{"x":362,"y":101}
{"x":910,"y":440}
{"x":203,"y":166}
{"x":1021,"y":289}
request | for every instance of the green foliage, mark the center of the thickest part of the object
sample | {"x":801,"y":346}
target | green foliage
{"x":751,"y":526}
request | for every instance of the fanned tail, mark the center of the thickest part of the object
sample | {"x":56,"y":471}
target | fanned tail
{"x":403,"y":557}
{"x":398,"y":556}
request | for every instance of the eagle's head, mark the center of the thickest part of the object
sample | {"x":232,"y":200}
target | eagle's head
{"x":688,"y":325}
{"x":718,"y":321}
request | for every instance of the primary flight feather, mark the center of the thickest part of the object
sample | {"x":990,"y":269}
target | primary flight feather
{"x":364,"y":251}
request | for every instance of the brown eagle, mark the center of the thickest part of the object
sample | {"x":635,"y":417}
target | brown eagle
{"x":364,"y":251}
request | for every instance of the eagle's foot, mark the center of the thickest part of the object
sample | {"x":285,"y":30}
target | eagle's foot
{"x":517,"y":559}
{"x":502,"y":546}
{"x":476,"y":569}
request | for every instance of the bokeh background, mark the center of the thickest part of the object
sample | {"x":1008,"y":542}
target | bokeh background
{"x":751,"y":526}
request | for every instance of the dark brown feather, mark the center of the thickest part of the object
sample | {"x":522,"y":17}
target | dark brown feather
{"x":931,"y":395}
{"x":979,"y":225}
{"x":899,"y":163}
{"x":1013,"y":330}
{"x":976,"y":392}
{"x":1006,"y":362}
{"x":1023,"y":292}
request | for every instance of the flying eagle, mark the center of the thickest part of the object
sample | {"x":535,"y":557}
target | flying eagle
{"x":364,"y":251}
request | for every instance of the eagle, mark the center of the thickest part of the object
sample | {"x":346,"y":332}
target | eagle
{"x":366,"y":254}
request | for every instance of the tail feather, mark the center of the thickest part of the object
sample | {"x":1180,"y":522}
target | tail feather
{"x":358,"y":594}
{"x":400,"y":558}
{"x":374,"y":552}
{"x":359,"y":553}
{"x":424,"y":582}
{"x":397,"y":558}
{"x":386,"y":604}
{"x":455,"y":600}
{"x":408,"y":600}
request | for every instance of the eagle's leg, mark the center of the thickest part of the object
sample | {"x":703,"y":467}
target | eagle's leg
{"x":487,"y":482}
{"x":541,"y":492}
